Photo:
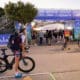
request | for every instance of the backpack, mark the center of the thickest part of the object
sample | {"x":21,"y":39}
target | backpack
{"x":11,"y":38}
{"x":14,"y":42}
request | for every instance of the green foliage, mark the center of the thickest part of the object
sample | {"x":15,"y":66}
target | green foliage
{"x":2,"y":12}
{"x":21,"y":12}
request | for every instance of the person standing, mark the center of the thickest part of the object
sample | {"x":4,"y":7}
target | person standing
{"x":41,"y":37}
{"x":46,"y":35}
{"x":19,"y":48}
{"x":34,"y":38}
{"x":15,"y":43}
{"x":66,"y":39}
{"x":23,"y":37}
{"x":49,"y":37}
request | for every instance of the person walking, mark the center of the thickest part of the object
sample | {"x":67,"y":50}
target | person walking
{"x":46,"y":36}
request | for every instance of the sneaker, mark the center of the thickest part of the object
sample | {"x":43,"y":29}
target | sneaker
{"x":18,"y":75}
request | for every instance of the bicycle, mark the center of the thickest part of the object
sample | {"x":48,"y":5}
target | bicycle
{"x":26,"y":64}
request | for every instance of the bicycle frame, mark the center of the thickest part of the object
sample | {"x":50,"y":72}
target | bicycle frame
{"x":9,"y":64}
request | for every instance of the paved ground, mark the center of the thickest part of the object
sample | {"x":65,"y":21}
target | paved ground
{"x":64,"y":65}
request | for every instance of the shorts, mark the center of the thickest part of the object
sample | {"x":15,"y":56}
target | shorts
{"x":17,"y":53}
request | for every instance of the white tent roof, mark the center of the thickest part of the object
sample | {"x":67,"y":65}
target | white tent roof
{"x":57,"y":26}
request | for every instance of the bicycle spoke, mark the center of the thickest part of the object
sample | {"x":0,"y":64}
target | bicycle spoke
{"x":26,"y":64}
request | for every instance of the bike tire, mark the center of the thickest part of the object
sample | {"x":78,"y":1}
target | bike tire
{"x":3,"y":67}
{"x":26,"y":59}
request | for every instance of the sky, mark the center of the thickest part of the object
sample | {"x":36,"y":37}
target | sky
{"x":49,"y":4}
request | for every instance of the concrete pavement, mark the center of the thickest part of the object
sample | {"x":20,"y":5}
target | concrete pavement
{"x":64,"y":65}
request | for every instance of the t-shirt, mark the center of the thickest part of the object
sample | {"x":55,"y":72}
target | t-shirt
{"x":66,"y":33}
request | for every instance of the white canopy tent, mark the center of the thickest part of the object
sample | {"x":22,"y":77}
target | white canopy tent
{"x":57,"y":26}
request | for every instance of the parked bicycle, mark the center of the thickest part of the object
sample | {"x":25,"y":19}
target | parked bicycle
{"x":26,"y":64}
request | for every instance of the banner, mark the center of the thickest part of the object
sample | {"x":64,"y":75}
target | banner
{"x":4,"y":39}
{"x":56,"y":15}
{"x":77,"y":29}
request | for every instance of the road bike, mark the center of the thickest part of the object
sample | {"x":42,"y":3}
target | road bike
{"x":26,"y":64}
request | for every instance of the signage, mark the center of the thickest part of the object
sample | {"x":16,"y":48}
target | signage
{"x":50,"y":14}
{"x":77,"y":29}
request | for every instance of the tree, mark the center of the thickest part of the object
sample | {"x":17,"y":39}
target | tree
{"x":2,"y":12}
{"x":21,"y":12}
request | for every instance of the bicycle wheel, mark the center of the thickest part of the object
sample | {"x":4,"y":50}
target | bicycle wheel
{"x":26,"y":64}
{"x":3,"y":67}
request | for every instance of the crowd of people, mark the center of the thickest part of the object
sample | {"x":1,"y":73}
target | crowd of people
{"x":50,"y":37}
{"x":47,"y":38}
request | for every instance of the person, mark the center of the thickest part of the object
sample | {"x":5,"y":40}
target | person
{"x":18,"y":47}
{"x":22,"y":50}
{"x":16,"y":41}
{"x":23,"y":37}
{"x":49,"y":37}
{"x":46,"y":35}
{"x":41,"y":36}
{"x":66,"y":39}
{"x":55,"y":35}
{"x":79,"y":40}
{"x":34,"y":38}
